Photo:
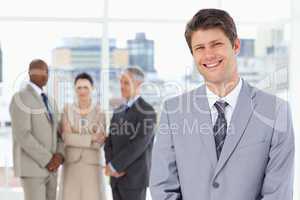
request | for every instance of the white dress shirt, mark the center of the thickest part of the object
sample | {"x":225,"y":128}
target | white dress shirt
{"x":131,"y":101}
{"x":230,"y":98}
{"x":40,"y":91}
{"x":36,"y":88}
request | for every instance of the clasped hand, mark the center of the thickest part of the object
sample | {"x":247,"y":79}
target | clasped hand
{"x":55,"y":162}
{"x":98,"y":138}
{"x":109,"y":172}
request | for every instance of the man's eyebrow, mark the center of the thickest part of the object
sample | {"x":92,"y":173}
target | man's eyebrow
{"x":214,"y":41}
{"x":210,"y":42}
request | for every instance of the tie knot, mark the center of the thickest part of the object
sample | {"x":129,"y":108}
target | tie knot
{"x":220,"y":106}
{"x":45,"y":98}
{"x":44,"y":95}
{"x":126,"y":107}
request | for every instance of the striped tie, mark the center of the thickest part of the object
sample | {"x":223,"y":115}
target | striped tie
{"x":220,"y":127}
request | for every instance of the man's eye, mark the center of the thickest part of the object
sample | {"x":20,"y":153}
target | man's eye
{"x":217,"y":44}
{"x":199,"y":48}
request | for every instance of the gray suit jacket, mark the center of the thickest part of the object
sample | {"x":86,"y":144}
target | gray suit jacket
{"x":35,"y":138}
{"x":256,"y":162}
{"x":129,"y":144}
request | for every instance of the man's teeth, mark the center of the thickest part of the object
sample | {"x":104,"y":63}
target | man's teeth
{"x":212,"y":65}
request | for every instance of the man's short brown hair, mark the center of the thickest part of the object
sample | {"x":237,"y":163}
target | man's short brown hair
{"x":208,"y":19}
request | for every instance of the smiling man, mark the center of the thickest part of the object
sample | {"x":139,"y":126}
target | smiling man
{"x":226,"y":139}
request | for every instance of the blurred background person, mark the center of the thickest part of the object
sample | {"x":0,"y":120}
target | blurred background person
{"x":128,"y":147}
{"x":37,"y":148}
{"x":83,"y":127}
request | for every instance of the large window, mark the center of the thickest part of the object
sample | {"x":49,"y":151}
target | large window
{"x":71,"y":36}
{"x":22,"y":41}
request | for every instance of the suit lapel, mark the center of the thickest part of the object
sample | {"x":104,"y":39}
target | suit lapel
{"x":40,"y":102}
{"x":201,"y":111}
{"x":120,"y":114}
{"x":54,"y":110}
{"x":134,"y":109}
{"x":240,"y":119}
{"x":137,"y":105}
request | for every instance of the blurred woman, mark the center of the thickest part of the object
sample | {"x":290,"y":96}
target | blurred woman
{"x":83,"y":132}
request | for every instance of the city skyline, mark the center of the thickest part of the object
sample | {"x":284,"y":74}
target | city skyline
{"x":177,"y":60}
{"x":81,"y":52}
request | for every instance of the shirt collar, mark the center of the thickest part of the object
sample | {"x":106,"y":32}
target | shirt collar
{"x":36,"y":88}
{"x":132,"y":100}
{"x":230,"y":98}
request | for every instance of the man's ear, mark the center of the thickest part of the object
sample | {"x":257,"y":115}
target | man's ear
{"x":30,"y":74}
{"x":237,"y":46}
{"x":139,"y":83}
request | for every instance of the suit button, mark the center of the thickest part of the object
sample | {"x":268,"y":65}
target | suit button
{"x":216,"y":185}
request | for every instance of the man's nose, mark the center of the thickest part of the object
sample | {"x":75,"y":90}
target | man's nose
{"x":209,"y":54}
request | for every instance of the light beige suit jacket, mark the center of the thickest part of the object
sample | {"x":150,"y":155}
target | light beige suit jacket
{"x":83,"y":176}
{"x":35,"y":138}
{"x":78,"y":142}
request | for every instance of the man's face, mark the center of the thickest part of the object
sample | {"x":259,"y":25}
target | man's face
{"x":215,"y":56}
{"x":39,"y":75}
{"x":129,"y":86}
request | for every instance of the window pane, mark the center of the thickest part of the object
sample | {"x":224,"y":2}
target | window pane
{"x":263,"y":60}
{"x":20,"y":43}
{"x":156,"y":9}
{"x":264,"y":56}
{"x":159,"y":50}
{"x":52,"y":8}
{"x":36,"y":41}
{"x":257,"y":10}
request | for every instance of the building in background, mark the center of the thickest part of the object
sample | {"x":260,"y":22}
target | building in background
{"x":77,"y":55}
{"x":80,"y":53}
{"x":141,"y":52}
{"x":268,"y":36}
{"x":250,"y":66}
{"x":272,"y":47}
{"x":120,"y":58}
{"x":247,"y":48}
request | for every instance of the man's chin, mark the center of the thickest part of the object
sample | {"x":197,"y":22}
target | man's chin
{"x":125,"y":97}
{"x":214,"y":81}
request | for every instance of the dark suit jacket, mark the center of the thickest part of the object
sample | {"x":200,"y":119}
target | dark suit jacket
{"x":129,"y":144}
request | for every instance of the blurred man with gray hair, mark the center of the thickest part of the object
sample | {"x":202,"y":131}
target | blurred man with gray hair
{"x":129,"y":144}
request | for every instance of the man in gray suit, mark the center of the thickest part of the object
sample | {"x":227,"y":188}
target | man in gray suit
{"x":128,"y":146}
{"x":226,"y":139}
{"x":37,"y":148}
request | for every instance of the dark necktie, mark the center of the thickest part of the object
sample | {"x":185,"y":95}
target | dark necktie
{"x":126,"y":108}
{"x":46,"y":102}
{"x":220,"y":127}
